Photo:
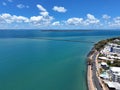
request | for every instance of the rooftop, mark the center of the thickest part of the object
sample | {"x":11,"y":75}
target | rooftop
{"x":103,"y":63}
{"x":115,"y":69}
{"x":113,"y":85}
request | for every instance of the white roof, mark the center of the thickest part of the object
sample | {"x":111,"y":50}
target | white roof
{"x":110,"y":84}
{"x":103,"y":58}
{"x":117,"y":40}
{"x":104,"y":63}
{"x":115,"y":85}
{"x":115,"y":69}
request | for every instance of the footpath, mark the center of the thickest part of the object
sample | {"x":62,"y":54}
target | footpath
{"x":89,"y":77}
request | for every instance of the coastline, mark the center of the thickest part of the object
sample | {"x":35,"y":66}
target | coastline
{"x":93,"y":80}
{"x":89,"y":71}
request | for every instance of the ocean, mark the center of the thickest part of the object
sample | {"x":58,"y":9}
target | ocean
{"x":45,"y":60}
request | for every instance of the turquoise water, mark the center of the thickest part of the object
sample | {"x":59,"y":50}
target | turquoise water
{"x":38,"y":64}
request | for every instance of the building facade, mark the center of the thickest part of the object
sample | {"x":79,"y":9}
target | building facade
{"x":115,"y":74}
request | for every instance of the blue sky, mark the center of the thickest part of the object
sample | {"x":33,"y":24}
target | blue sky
{"x":59,"y":14}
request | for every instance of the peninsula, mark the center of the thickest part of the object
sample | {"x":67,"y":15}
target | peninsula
{"x":104,"y":65}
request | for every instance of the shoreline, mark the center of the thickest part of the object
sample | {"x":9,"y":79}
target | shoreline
{"x":93,"y":80}
{"x":90,"y":84}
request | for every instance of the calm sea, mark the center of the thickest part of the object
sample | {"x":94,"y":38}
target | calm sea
{"x":36,"y":60}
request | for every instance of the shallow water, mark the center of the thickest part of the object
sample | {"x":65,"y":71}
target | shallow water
{"x":29,"y":63}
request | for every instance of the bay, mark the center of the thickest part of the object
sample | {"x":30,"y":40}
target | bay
{"x":29,"y":62}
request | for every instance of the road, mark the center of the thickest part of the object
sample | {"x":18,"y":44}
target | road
{"x":94,"y":70}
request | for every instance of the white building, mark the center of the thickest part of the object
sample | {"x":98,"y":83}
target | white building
{"x":115,"y":74}
{"x":116,"y":40}
{"x":106,"y":49}
{"x":111,"y":51}
{"x":113,"y":85}
{"x":116,"y":49}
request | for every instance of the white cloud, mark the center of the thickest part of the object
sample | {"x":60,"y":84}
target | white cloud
{"x":41,"y":8}
{"x":105,"y":16}
{"x":7,"y":18}
{"x":91,"y":20}
{"x":115,"y":22}
{"x":80,"y":21}
{"x":4,"y":4}
{"x":56,"y":23}
{"x":35,"y":20}
{"x":74,"y":21}
{"x":59,"y":9}
{"x":44,"y":19}
{"x":20,"y":19}
{"x":83,"y":22}
{"x":20,"y":6}
{"x":44,"y":13}
{"x":10,"y":0}
{"x":41,"y":20}
{"x":90,"y":16}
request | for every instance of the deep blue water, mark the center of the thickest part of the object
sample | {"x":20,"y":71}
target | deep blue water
{"x":39,"y":33}
{"x":30,"y":63}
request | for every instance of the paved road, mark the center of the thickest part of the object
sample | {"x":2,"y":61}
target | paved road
{"x":94,"y":77}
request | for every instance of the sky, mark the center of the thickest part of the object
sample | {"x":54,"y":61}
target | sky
{"x":59,"y":14}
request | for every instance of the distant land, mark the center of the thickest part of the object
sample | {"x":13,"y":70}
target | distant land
{"x":76,"y":30}
{"x":65,"y":30}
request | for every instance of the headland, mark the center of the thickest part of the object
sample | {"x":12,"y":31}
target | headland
{"x":104,"y":65}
